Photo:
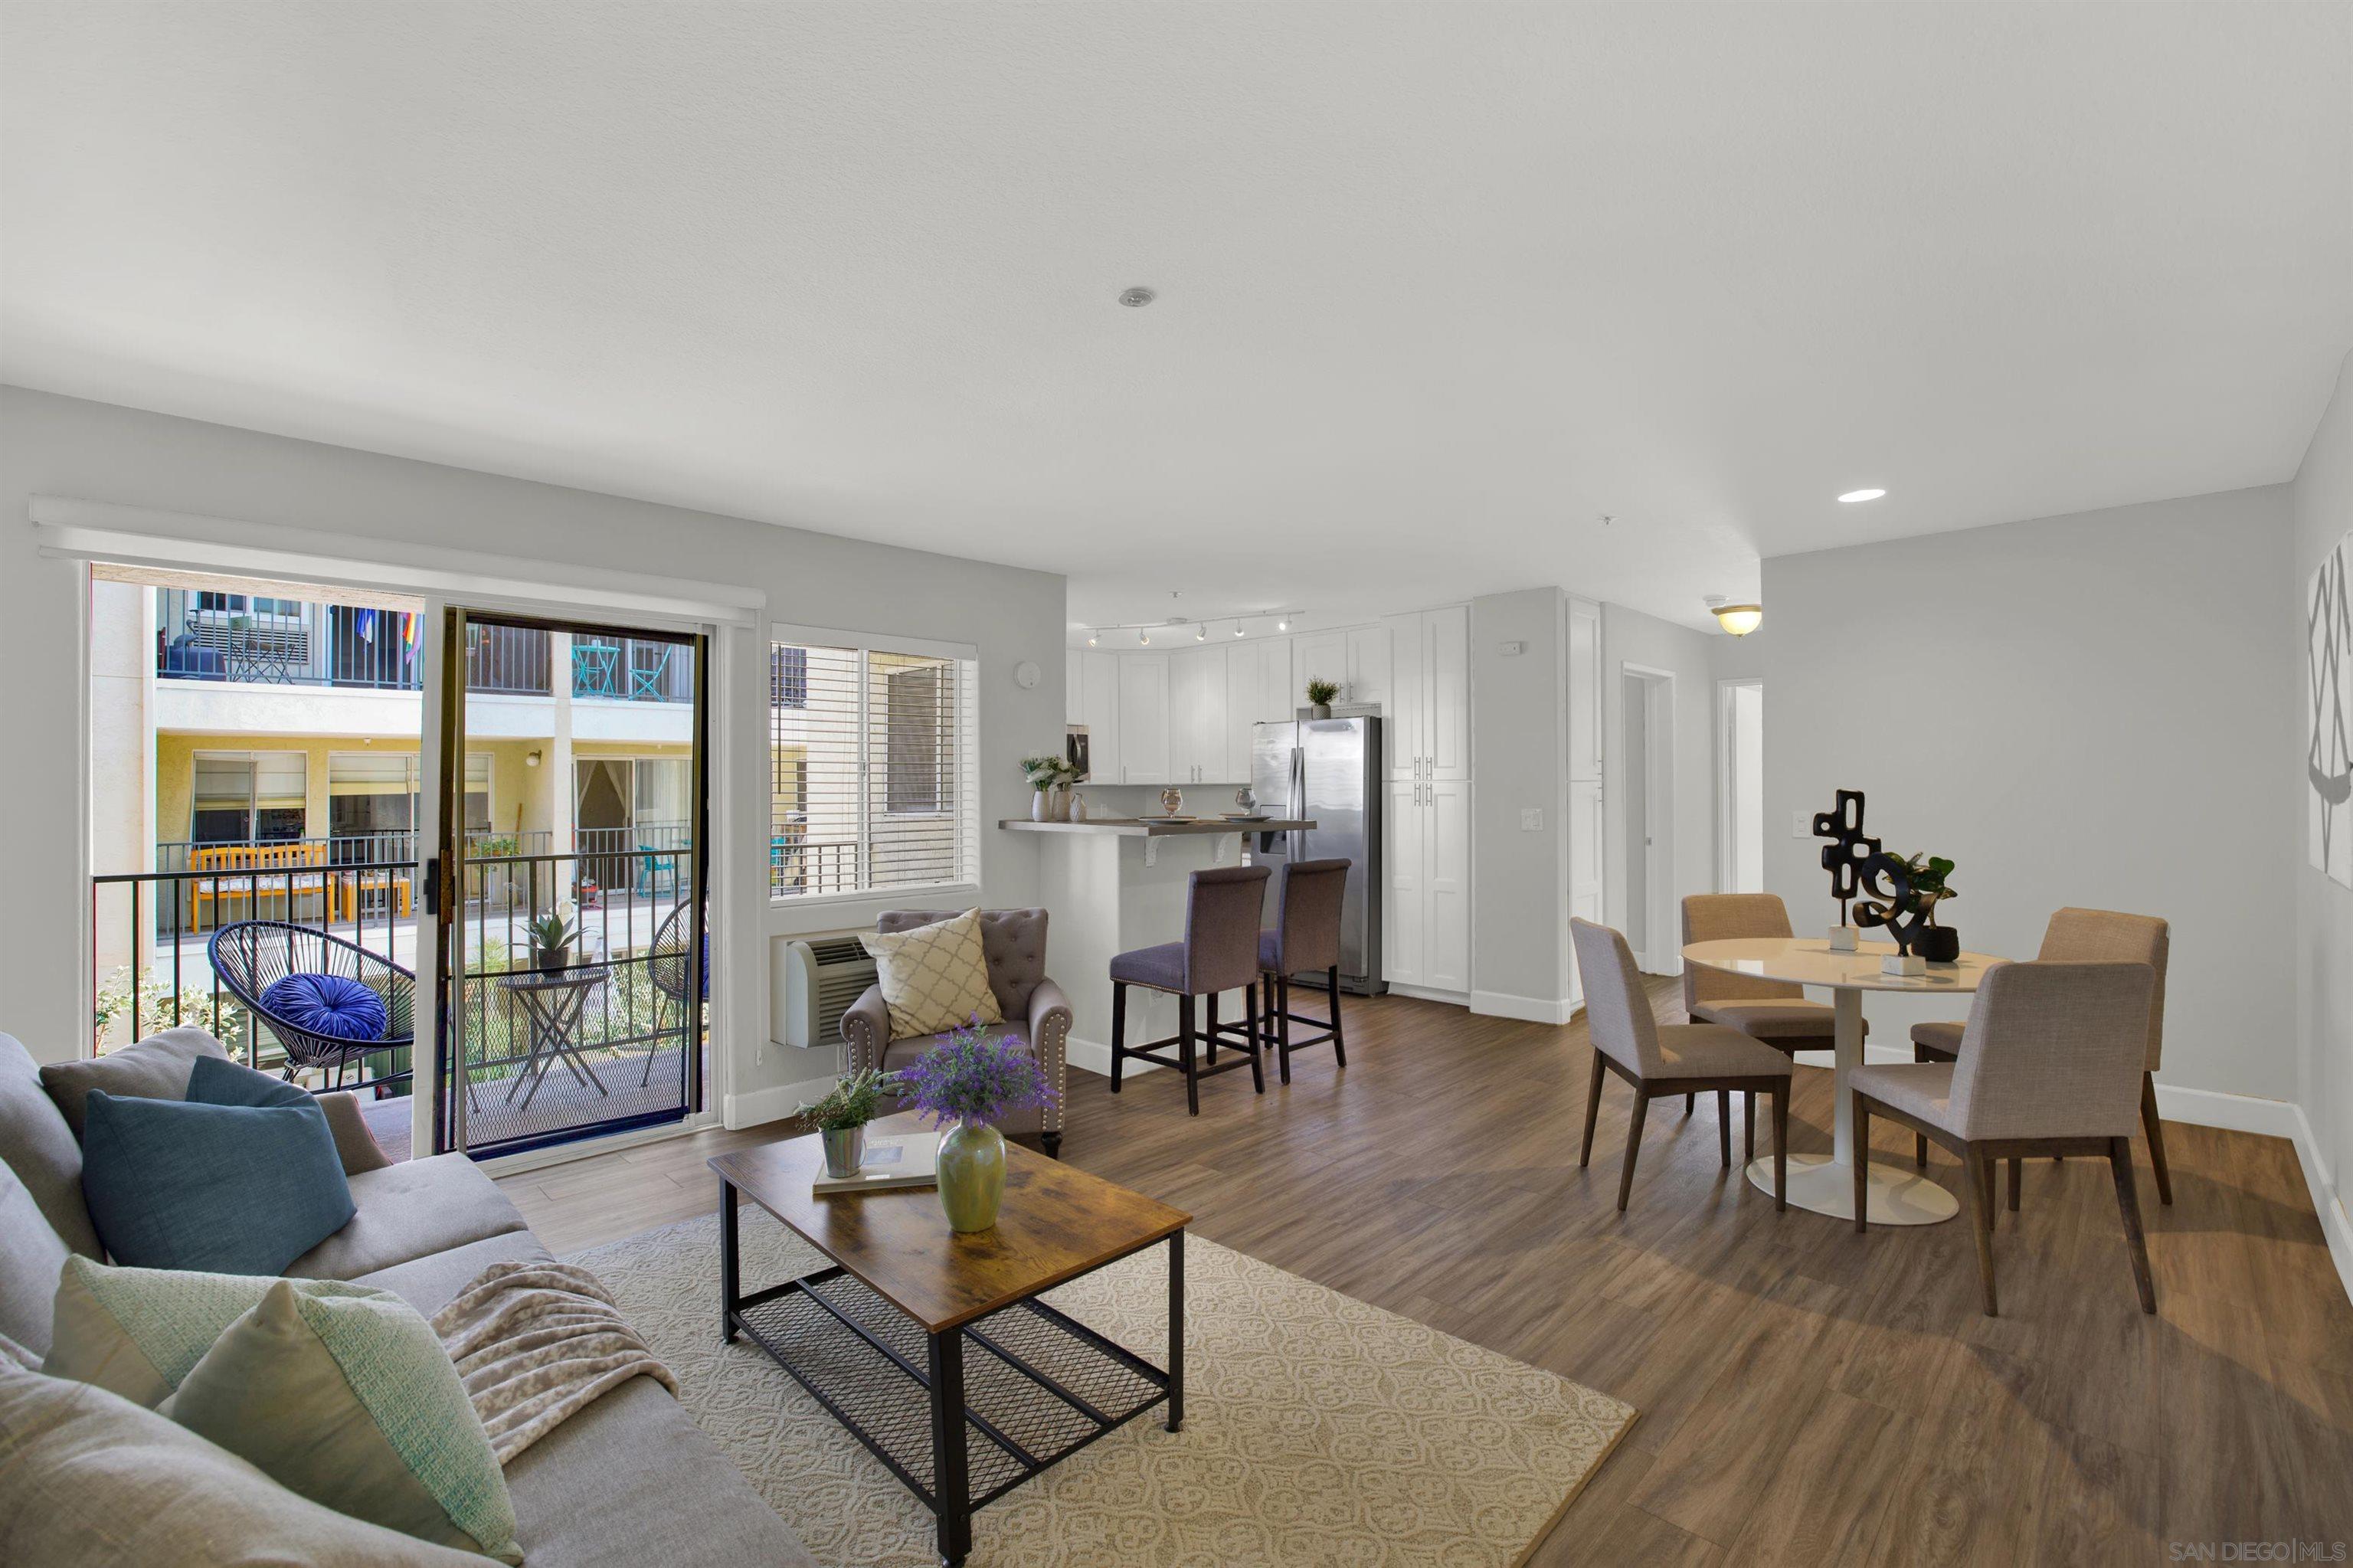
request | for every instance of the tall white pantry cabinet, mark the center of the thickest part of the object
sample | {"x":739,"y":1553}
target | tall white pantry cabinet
{"x":1424,"y":660}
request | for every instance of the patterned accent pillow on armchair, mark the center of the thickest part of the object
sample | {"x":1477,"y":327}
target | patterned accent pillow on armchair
{"x":934,"y":976}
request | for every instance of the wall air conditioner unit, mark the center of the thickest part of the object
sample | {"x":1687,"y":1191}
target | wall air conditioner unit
{"x":817,"y":978}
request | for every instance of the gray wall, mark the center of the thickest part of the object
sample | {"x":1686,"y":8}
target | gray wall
{"x":2090,"y":709}
{"x":2323,"y":502}
{"x":1519,"y":758}
{"x":96,"y":452}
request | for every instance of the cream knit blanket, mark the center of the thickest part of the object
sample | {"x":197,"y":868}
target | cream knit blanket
{"x":536,"y":1342}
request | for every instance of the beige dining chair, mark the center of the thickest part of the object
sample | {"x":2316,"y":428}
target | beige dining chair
{"x":1657,"y":1058}
{"x":2048,"y":1063}
{"x":2087,"y":936}
{"x":1775,"y":1011}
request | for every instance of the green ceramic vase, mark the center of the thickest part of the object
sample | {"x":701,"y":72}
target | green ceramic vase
{"x":972,"y":1175}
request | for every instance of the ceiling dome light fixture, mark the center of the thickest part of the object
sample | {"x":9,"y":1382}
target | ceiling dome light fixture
{"x":1851,"y":496}
{"x":1137,"y":297}
{"x":1739,"y":620}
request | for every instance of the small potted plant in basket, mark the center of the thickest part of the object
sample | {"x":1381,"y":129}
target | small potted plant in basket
{"x":552,"y":935}
{"x":841,"y":1118}
{"x":972,"y":1081}
{"x":1319,"y":698}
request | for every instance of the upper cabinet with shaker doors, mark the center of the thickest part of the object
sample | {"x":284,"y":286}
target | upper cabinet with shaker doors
{"x":1258,"y":689}
{"x":1428,"y":714}
{"x":1198,"y":749}
{"x":1074,"y":683}
{"x":1144,"y":738}
{"x":1318,"y":656}
{"x":1099,"y":711}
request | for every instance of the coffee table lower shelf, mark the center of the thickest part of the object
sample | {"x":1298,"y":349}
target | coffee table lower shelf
{"x":1034,"y":1384}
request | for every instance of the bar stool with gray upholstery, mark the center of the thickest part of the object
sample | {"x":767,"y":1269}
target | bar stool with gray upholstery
{"x":1220,"y":953}
{"x":2087,"y":936}
{"x":1303,"y":939}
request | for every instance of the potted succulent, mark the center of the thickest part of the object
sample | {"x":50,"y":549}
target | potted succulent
{"x":1049,"y":777}
{"x":552,"y":935}
{"x":972,"y":1081}
{"x":841,"y":1118}
{"x":1926,"y":875}
{"x":1319,"y":698}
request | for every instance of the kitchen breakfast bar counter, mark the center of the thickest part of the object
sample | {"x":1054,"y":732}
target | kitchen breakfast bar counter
{"x":1115,"y":883}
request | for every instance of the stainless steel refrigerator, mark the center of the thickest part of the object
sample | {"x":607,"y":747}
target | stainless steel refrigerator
{"x":1329,"y":771}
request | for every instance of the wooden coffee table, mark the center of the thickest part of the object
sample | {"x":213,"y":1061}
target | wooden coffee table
{"x":913,"y":1324}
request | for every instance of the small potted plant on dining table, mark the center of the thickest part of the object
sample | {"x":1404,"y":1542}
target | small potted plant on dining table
{"x":841,"y":1118}
{"x":972,"y":1080}
{"x":1926,"y":875}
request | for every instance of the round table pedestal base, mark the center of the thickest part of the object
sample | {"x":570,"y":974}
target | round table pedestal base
{"x":1898,"y":1194}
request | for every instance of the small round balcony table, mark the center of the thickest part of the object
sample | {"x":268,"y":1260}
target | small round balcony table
{"x":552,"y":1002}
{"x":1898,"y":1194}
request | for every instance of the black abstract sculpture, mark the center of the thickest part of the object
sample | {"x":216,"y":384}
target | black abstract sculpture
{"x":1847,"y":852}
{"x":1893,"y":907}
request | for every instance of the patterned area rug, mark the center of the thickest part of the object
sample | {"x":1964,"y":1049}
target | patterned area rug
{"x":1317,"y":1429}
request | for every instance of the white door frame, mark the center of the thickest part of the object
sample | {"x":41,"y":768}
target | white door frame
{"x":1726,"y":781}
{"x":1658,"y":946}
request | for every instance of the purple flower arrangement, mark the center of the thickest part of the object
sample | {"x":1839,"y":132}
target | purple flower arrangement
{"x":974,"y":1080}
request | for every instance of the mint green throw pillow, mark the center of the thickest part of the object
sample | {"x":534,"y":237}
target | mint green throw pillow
{"x":347,"y":1398}
{"x":138,"y":1331}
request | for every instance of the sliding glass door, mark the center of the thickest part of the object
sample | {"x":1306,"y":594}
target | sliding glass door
{"x":570,"y":885}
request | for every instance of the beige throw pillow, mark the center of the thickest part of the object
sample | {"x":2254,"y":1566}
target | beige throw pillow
{"x":934,"y":977}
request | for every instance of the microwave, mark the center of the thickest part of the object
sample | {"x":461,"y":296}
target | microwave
{"x":1074,"y":748}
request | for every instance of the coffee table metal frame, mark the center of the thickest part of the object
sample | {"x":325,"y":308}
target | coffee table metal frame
{"x":941,"y":1375}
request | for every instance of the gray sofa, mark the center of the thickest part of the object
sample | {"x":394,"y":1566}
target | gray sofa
{"x":629,"y":1481}
{"x":1013,"y":941}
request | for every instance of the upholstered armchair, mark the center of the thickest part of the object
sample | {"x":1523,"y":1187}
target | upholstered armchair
{"x":1014,"y":942}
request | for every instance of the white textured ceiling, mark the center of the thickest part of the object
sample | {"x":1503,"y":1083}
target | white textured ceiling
{"x":1440,"y":284}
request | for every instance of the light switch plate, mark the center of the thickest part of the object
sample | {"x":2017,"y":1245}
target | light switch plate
{"x":1800,"y":825}
{"x":1511,"y":650}
{"x":1531,"y":819}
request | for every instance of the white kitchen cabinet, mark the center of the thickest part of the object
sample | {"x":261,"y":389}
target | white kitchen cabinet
{"x":1074,"y":710}
{"x":1370,"y":667}
{"x":1198,"y":750}
{"x":1427,"y":715}
{"x":1258,"y":689}
{"x":1584,"y":690}
{"x":1318,"y":656}
{"x":1426,"y":921}
{"x":1144,"y":753}
{"x":1099,"y":711}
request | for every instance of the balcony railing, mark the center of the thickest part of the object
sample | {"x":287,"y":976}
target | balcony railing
{"x":206,"y":636}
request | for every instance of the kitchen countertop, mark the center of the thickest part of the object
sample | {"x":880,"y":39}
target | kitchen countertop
{"x":1134,"y":828}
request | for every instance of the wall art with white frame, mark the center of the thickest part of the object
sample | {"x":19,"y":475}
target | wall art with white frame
{"x":2328,"y":701}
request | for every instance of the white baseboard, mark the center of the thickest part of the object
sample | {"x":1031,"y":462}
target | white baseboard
{"x":1534,"y":1009}
{"x":1090,"y":1056}
{"x":775,"y":1103}
{"x":1425,"y":993}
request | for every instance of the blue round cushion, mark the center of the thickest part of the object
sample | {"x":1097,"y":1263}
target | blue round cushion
{"x":332,"y":1007}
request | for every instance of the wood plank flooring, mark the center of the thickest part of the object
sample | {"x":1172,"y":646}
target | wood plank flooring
{"x":1808,"y":1395}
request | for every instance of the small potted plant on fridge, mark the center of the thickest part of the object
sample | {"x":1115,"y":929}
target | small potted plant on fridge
{"x":1319,"y":698}
{"x":973,"y":1080}
{"x":841,"y":1118}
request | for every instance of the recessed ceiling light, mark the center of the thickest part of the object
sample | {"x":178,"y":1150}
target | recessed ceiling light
{"x":1138,"y":296}
{"x":1852,"y":496}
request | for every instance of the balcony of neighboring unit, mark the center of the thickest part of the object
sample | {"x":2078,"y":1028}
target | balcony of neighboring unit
{"x":236,"y":662}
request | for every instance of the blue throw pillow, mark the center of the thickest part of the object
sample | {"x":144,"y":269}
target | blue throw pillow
{"x":221,"y":1081}
{"x":335,"y":1007}
{"x":225,"y":1188}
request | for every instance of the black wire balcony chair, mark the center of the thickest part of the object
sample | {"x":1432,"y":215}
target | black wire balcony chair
{"x":666,"y":967}
{"x":249,"y":955}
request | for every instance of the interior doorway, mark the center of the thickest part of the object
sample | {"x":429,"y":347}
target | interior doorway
{"x":1740,"y":786}
{"x":1646,"y":743}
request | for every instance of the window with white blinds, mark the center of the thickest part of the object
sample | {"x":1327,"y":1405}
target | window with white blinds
{"x":875,"y":776}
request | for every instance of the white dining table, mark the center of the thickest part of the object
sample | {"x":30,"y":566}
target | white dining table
{"x":1898,"y":1194}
